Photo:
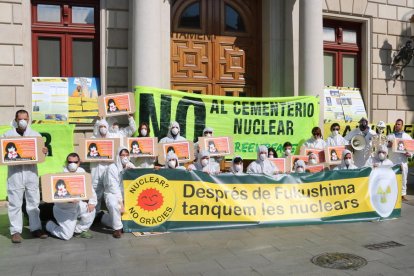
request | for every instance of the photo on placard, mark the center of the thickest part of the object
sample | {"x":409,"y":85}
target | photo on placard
{"x":142,"y":146}
{"x":68,"y":187}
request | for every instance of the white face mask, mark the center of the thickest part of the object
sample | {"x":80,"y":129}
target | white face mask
{"x":300,"y":170}
{"x":288,"y":151}
{"x":103,"y":131}
{"x":335,"y":132}
{"x":381,"y":156}
{"x":171,"y":164}
{"x":144,"y":132}
{"x":262,"y":156}
{"x":124,"y":160}
{"x":312,"y":161}
{"x":115,"y":128}
{"x":347,"y":162}
{"x":208,"y":135}
{"x":204,"y":162}
{"x":72,"y":167}
{"x":238,"y":168}
{"x":174,"y":131}
{"x":22,"y":124}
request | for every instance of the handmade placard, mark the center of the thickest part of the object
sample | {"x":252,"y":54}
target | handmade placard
{"x":98,"y":149}
{"x":184,"y":151}
{"x":280,"y":163}
{"x":320,"y":153}
{"x":142,"y":146}
{"x":333,"y":155}
{"x":116,"y":104}
{"x":217,"y":146}
{"x":315,"y":168}
{"x":66,"y":187}
{"x":292,"y":159}
{"x":22,"y":150}
{"x":402,"y":146}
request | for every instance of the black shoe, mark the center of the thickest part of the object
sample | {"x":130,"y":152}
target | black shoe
{"x":98,"y":217}
{"x":39,"y":234}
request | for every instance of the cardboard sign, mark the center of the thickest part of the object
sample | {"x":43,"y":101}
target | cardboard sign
{"x":403,"y":146}
{"x":142,"y":146}
{"x":315,"y":168}
{"x":320,"y":153}
{"x":116,"y":104}
{"x":335,"y":155}
{"x":280,"y":163}
{"x":292,"y":159}
{"x":184,"y":151}
{"x":22,"y":150}
{"x":65,"y":187}
{"x":217,"y":146}
{"x":98,"y":150}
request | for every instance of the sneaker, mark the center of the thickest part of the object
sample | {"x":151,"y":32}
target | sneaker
{"x":39,"y":234}
{"x":85,"y":235}
{"x":117,"y":234}
{"x":16,"y":238}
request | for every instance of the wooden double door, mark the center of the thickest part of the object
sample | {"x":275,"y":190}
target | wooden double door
{"x":215,"y":47}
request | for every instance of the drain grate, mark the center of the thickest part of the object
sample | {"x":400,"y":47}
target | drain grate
{"x":383,"y":245}
{"x":339,"y":261}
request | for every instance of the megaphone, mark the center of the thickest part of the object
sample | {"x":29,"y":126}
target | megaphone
{"x":358,"y":142}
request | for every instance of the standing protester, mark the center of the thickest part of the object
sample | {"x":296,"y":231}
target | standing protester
{"x":336,"y":139}
{"x":124,"y":131}
{"x":316,"y":141}
{"x":362,"y":156}
{"x":23,"y":180}
{"x":173,"y":134}
{"x":287,"y":149}
{"x":205,"y":164}
{"x":397,"y":157}
{"x":237,"y":166}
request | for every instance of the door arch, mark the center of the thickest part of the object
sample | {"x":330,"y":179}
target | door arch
{"x":215,"y":47}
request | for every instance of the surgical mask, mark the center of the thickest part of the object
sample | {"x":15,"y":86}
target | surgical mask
{"x":262,"y":156}
{"x":103,"y":131}
{"x":72,"y":167}
{"x":115,"y":128}
{"x":300,"y":170}
{"x":174,"y":131}
{"x":172,"y":164}
{"x":204,"y":162}
{"x":312,"y":161}
{"x":288,"y":151}
{"x":22,"y":124}
{"x":381,"y":156}
{"x":124,"y":160}
{"x":271,"y":156}
{"x":335,"y":132}
{"x":238,"y":168}
{"x":144,"y":132}
{"x":347,"y":162}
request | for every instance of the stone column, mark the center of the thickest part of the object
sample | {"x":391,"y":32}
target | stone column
{"x":150,"y":43}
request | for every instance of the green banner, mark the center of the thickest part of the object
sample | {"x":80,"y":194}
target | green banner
{"x":250,"y":121}
{"x":59,"y":141}
{"x":177,"y":200}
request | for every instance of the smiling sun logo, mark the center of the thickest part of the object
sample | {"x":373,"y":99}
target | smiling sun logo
{"x":150,"y":199}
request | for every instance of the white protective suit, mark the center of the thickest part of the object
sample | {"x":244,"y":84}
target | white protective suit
{"x":114,"y":192}
{"x":377,"y":162}
{"x":362,"y":156}
{"x":313,"y":143}
{"x":172,"y":156}
{"x":400,"y":158}
{"x":123,"y":132}
{"x":72,"y":217}
{"x":262,"y":167}
{"x":336,"y":140}
{"x":344,"y":166}
{"x":23,"y":180}
{"x":233,"y":168}
{"x":170,"y":137}
{"x":211,"y":167}
{"x":98,"y":169}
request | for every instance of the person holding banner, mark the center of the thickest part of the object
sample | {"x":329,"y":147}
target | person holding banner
{"x":287,"y":149}
{"x":98,"y":169}
{"x":207,"y":132}
{"x":171,"y":162}
{"x":173,"y":134}
{"x":362,"y":156}
{"x":144,"y":162}
{"x":346,"y":163}
{"x":380,"y":159}
{"x":73,"y":218}
{"x":397,"y":157}
{"x":300,"y":166}
{"x":23,"y":180}
{"x":113,"y":191}
{"x":336,"y":139}
{"x":204,"y":164}
{"x":262,"y":165}
{"x":316,"y":141}
{"x":237,"y":166}
{"x":125,"y":131}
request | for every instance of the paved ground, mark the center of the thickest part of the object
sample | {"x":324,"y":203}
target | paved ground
{"x":258,"y":251}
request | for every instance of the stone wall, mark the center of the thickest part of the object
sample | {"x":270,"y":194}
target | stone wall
{"x":390,"y":29}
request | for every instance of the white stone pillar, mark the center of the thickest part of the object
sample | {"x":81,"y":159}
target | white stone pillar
{"x":311,"y":73}
{"x":150,"y":43}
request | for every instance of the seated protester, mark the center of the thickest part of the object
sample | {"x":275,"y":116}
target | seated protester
{"x":312,"y":159}
{"x":380,"y":159}
{"x":336,"y":139}
{"x":347,"y":163}
{"x":173,"y":134}
{"x":300,"y":166}
{"x":262,"y":164}
{"x":73,"y":218}
{"x":113,"y":191}
{"x":316,"y":141}
{"x":271,"y":153}
{"x":144,"y":162}
{"x":204,"y":164}
{"x":287,"y":149}
{"x":237,"y":166}
{"x":171,"y":162}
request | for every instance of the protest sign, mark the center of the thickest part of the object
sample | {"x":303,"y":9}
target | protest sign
{"x":66,"y":187}
{"x":21,"y":150}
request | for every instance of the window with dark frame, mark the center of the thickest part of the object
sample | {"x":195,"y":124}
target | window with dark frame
{"x":65,"y":38}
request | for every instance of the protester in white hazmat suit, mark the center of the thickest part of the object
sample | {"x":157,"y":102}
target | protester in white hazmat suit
{"x":171,"y":162}
{"x":114,"y":192}
{"x":361,"y":156}
{"x":73,"y":218}
{"x":380,"y":159}
{"x":204,"y":164}
{"x":144,"y":162}
{"x":207,"y":132}
{"x":398,"y":157}
{"x":173,"y":134}
{"x":123,"y":132}
{"x":262,"y":165}
{"x":300,"y":166}
{"x":23,"y":180}
{"x":346,"y":163}
{"x":98,"y":169}
{"x":237,"y":166}
{"x":316,"y":141}
{"x":335,"y":139}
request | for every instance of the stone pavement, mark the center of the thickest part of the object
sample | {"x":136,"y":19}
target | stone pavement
{"x":254,"y":251}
